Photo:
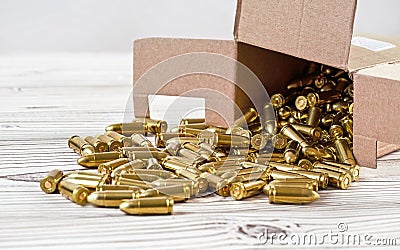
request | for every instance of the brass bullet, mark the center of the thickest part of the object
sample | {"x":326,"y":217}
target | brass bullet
{"x":124,"y":140}
{"x":217,"y":184}
{"x":192,"y":185}
{"x":276,"y":174}
{"x":98,"y":145}
{"x":259,"y":141}
{"x":354,"y":169}
{"x":136,"y":183}
{"x":143,"y":155}
{"x":249,"y":116}
{"x":315,"y":99}
{"x":301,"y":103}
{"x":314,"y":133}
{"x":233,"y":130}
{"x":300,"y":183}
{"x":176,"y":192}
{"x":202,"y":182}
{"x":80,"y":146}
{"x":182,"y":140}
{"x":128,"y":128}
{"x":292,"y":151}
{"x":150,"y":205}
{"x":109,"y":187}
{"x":321,"y":165}
{"x":284,"y":166}
{"x":95,"y":159}
{"x":140,"y":177}
{"x":345,"y":155}
{"x":241,"y":190}
{"x":129,"y":167}
{"x":192,"y":120}
{"x":293,"y":134}
{"x":347,"y":124}
{"x":109,"y":198}
{"x":291,"y":195}
{"x":277,"y":100}
{"x":183,"y":129}
{"x":224,"y":140}
{"x":140,"y":140}
{"x":49,"y":183}
{"x":279,"y":141}
{"x":161,"y":139}
{"x":113,"y":145}
{"x":305,"y":164}
{"x":269,"y":123}
{"x":160,"y":173}
{"x":154,"y":126}
{"x":337,"y":179}
{"x":108,"y":167}
{"x":284,"y":112}
{"x":322,"y":178}
{"x":73,"y":192}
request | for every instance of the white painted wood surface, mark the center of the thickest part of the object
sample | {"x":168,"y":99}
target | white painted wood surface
{"x":44,"y":99}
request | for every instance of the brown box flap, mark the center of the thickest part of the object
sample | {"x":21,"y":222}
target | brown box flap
{"x":377,"y":103}
{"x":369,"y":50}
{"x":318,"y":31}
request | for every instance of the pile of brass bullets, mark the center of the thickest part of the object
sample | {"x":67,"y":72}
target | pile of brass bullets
{"x":299,"y":144}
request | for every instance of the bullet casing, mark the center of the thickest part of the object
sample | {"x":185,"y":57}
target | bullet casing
{"x":291,"y":195}
{"x":108,"y":167}
{"x":320,"y":165}
{"x":300,"y":183}
{"x":49,"y":183}
{"x":345,"y":155}
{"x":336,"y":179}
{"x":95,"y":159}
{"x":129,"y":167}
{"x":292,"y":151}
{"x":110,"y":198}
{"x":354,"y":169}
{"x":73,"y":192}
{"x":176,"y":192}
{"x":128,"y":128}
{"x":136,"y":183}
{"x":80,"y":146}
{"x":192,"y":120}
{"x":241,"y":190}
{"x":194,"y":186}
{"x":150,"y":205}
{"x":98,"y":145}
{"x":217,"y":184}
{"x":322,"y":178}
{"x":113,"y":145}
{"x":124,"y":140}
{"x":140,"y":140}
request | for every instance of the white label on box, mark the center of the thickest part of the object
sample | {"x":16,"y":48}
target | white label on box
{"x":371,"y":44}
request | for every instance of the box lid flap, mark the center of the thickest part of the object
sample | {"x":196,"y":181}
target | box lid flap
{"x":385,"y":71}
{"x":370,"y":50}
{"x":319,"y":31}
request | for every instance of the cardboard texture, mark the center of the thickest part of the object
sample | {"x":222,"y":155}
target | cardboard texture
{"x":276,"y":39}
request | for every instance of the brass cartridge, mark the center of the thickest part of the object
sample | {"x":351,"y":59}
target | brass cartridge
{"x":161,"y":139}
{"x":300,"y":183}
{"x":73,"y":192}
{"x":95,"y":159}
{"x":291,"y":195}
{"x":192,"y":120}
{"x":136,"y":183}
{"x":108,"y":167}
{"x":129,"y":167}
{"x":314,"y":116}
{"x":345,"y":155}
{"x":320,"y":165}
{"x":314,"y":133}
{"x":239,"y":131}
{"x":241,"y":190}
{"x":109,"y":198}
{"x":217,"y":184}
{"x":347,"y":124}
{"x":108,"y":187}
{"x":305,"y":164}
{"x":124,"y":140}
{"x":150,"y":205}
{"x":315,"y":99}
{"x":80,"y":146}
{"x":98,"y":145}
{"x":141,"y":141}
{"x":301,"y":103}
{"x":192,"y":185}
{"x":49,"y":183}
{"x":284,"y":112}
{"x":154,"y":126}
{"x":143,"y":155}
{"x":176,"y":192}
{"x":284,"y":166}
{"x":269,"y":123}
{"x":279,"y":141}
{"x":164,"y":174}
{"x":293,"y":134}
{"x":140,"y":177}
{"x":224,"y":140}
{"x":202,"y":182}
{"x":322,"y":178}
{"x":249,"y":116}
{"x":259,"y":141}
{"x":128,"y":128}
{"x":336,"y":179}
{"x":292,"y":151}
{"x":113,"y":145}
{"x":354,"y":169}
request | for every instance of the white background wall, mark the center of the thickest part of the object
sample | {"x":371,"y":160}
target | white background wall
{"x":112,"y":25}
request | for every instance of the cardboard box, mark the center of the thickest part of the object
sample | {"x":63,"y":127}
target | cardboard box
{"x":276,"y":39}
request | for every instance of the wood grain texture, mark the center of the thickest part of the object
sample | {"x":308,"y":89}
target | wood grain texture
{"x":44,"y":99}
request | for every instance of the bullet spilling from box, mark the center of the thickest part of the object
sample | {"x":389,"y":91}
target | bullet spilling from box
{"x":301,"y":143}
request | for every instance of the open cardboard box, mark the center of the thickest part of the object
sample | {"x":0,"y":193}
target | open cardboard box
{"x":277,"y":39}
